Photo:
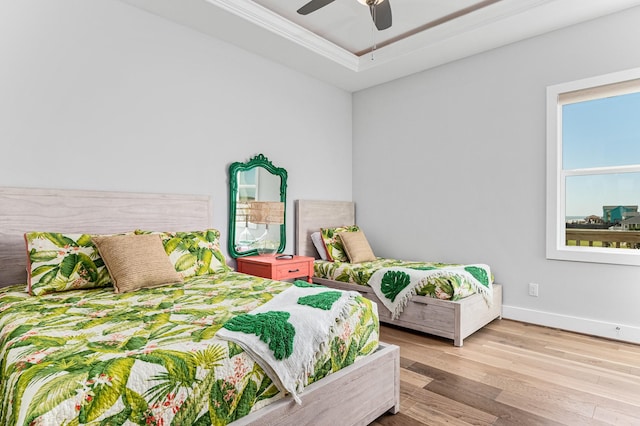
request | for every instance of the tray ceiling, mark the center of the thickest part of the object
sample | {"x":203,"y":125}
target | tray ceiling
{"x":336,"y":43}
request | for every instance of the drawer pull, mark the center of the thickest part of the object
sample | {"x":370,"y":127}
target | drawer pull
{"x":293,"y":270}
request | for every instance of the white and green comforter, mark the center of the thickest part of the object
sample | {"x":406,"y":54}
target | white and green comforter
{"x":451,"y":287}
{"x":285,"y":335}
{"x":395,"y":286}
{"x":150,"y":357}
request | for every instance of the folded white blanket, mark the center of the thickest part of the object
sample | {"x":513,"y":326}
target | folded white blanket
{"x":395,"y":286}
{"x":286,"y":334}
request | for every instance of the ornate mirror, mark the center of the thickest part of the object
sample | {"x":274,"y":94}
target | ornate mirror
{"x":257,"y":199}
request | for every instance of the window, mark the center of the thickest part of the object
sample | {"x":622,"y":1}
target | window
{"x":247,"y":185}
{"x":593,"y":169}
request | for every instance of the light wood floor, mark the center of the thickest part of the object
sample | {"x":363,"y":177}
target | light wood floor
{"x":510,"y":373}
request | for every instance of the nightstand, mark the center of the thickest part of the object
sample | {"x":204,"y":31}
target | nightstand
{"x":277,"y":269}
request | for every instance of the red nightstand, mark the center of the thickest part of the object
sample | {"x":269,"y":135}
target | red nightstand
{"x":277,"y":269}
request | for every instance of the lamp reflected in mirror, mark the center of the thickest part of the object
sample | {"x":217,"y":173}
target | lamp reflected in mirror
{"x":261,"y":213}
{"x":245,"y":238}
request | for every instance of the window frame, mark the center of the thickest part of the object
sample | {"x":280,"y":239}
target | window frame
{"x":612,"y":84}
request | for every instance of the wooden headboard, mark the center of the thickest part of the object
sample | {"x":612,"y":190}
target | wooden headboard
{"x":91,"y":212}
{"x":311,"y":215}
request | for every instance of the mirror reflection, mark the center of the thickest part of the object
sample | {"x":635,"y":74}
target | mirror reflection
{"x":257,"y":208}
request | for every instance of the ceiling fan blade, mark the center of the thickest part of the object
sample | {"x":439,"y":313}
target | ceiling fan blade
{"x":313,"y":5}
{"x":381,"y":15}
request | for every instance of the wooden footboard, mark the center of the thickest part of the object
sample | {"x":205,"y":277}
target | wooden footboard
{"x":355,"y":395}
{"x":451,"y":320}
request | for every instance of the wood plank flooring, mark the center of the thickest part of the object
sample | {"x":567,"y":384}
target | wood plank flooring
{"x":511,"y":373}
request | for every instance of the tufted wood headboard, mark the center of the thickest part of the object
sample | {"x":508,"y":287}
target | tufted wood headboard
{"x":91,"y":212}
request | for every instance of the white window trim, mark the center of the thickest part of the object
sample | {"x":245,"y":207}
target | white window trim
{"x":609,"y":84}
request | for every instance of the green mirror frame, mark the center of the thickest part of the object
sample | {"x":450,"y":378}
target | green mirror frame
{"x":237,"y":167}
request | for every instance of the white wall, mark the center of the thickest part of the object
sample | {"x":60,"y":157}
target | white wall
{"x":100,"y":95}
{"x":449,"y":165}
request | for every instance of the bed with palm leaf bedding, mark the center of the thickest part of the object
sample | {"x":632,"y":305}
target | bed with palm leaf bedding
{"x":126,"y":327}
{"x":444,"y":299}
{"x":148,"y":357}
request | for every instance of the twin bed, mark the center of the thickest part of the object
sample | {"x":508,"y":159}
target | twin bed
{"x":452,"y":319}
{"x":167,"y":354}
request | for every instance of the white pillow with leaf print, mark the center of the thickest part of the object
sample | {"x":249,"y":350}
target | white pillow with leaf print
{"x":193,"y":253}
{"x":333,"y":244}
{"x":60,"y":262}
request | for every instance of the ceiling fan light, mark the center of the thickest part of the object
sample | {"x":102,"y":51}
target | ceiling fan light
{"x":366,"y":2}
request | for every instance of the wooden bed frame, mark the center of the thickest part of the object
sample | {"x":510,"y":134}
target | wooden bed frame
{"x":354,"y":395}
{"x":451,"y":320}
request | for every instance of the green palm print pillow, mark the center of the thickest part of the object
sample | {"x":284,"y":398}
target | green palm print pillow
{"x":335,"y":250}
{"x":193,"y":253}
{"x":59,"y":262}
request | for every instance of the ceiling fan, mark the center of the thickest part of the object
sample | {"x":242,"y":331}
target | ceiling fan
{"x":380,"y":10}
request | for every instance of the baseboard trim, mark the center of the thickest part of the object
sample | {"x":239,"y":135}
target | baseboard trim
{"x":609,"y":330}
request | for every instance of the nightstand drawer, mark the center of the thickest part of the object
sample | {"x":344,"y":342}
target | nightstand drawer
{"x":255,"y":269}
{"x":277,"y":269}
{"x":292,"y":270}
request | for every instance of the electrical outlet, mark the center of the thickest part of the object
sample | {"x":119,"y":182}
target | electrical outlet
{"x":533,"y":289}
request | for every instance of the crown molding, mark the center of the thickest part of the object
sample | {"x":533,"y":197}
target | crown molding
{"x":275,"y":23}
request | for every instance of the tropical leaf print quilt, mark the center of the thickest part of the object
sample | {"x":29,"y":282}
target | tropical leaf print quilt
{"x":440,"y":287}
{"x":150,"y":357}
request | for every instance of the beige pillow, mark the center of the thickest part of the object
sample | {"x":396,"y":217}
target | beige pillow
{"x":357,"y":247}
{"x":136,"y":261}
